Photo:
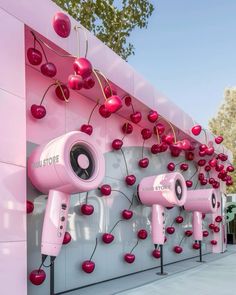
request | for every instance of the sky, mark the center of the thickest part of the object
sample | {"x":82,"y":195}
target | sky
{"x":189,"y":53}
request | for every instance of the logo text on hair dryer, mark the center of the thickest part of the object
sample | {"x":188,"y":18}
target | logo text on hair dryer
{"x":45,"y":162}
{"x":157,"y":188}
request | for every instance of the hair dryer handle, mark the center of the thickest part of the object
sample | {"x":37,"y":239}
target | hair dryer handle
{"x":158,"y":224}
{"x":197,"y":226}
{"x":55,"y":221}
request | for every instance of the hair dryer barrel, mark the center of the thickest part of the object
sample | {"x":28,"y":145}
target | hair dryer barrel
{"x":165,"y":190}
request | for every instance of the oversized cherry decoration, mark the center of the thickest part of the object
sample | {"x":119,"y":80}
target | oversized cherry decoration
{"x":130,"y":179}
{"x":88,"y":266}
{"x":128,"y":101}
{"x":160,"y":128}
{"x":196,"y":246}
{"x":155,"y":149}
{"x":207,"y":168}
{"x":67,"y":238}
{"x":87,"y":128}
{"x":171,"y":166}
{"x":196,"y":130}
{"x":88,"y":83}
{"x":109,"y":91}
{"x":48,"y":69}
{"x":83,"y":67}
{"x":156,"y":253}
{"x":201,"y":176}
{"x":184,"y":166}
{"x":185,"y":144}
{"x":189,"y":156}
{"x":87,"y":209}
{"x":75,"y":82}
{"x":65,"y":94}
{"x":129,"y":257}
{"x":216,"y":229}
{"x":188,"y":233}
{"x":168,"y":139}
{"x":127,"y":214}
{"x":61,"y":24}
{"x":213,"y":242}
{"x":213,"y":162}
{"x":201,"y":162}
{"x":37,"y":276}
{"x":211,"y":226}
{"x":178,"y":249}
{"x":34,"y":56}
{"x":127,"y":128}
{"x":170,"y":230}
{"x":107,"y":238}
{"x":179,"y":219}
{"x":230,"y":168}
{"x":152,"y":116}
{"x":142,"y":234}
{"x":218,"y":219}
{"x":202,"y":147}
{"x":105,"y":189}
{"x":219,"y":139}
{"x":38,"y":111}
{"x":189,"y":183}
{"x":146,"y":133}
{"x":29,"y":207}
{"x":205,"y":233}
{"x":136,"y":117}
{"x":117,"y":144}
{"x":103,"y":111}
{"x":143,"y":163}
{"x":210,"y":151}
{"x":164,"y":147}
{"x":113,"y":103}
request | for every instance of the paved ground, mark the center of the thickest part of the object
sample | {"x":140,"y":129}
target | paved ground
{"x":215,"y":277}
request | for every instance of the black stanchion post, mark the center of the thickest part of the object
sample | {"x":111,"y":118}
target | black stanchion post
{"x":52,"y":276}
{"x":200,"y":252}
{"x":162,"y":273}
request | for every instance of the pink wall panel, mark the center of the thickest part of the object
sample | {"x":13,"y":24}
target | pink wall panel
{"x":13,"y":268}
{"x":12,"y":129}
{"x":12,"y":203}
{"x":12,"y":55}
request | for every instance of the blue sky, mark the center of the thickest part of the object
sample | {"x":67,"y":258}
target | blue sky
{"x":189,"y":53}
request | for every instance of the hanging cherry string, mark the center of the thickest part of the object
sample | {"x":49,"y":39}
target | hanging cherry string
{"x":54,"y":84}
{"x":96,"y":244}
{"x":77,"y":28}
{"x":157,"y":134}
{"x":96,"y":72}
{"x":143,"y":148}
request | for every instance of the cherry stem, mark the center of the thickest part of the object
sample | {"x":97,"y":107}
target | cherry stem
{"x":53,"y":84}
{"x":100,"y":84}
{"x":143,"y":148}
{"x":40,"y":267}
{"x":106,"y":80}
{"x":131,"y":204}
{"x":96,"y":244}
{"x":134,"y":247}
{"x":132,"y":108}
{"x":158,"y":136}
{"x":77,"y":28}
{"x":38,"y":41}
{"x":182,"y":240}
{"x":90,"y":116}
{"x":115,"y":225}
{"x":50,"y":48}
{"x":196,"y":185}
{"x":194,"y":173}
{"x":86,"y":198}
{"x":114,"y":190}
{"x":123,"y":137}
{"x":62,"y":92}
{"x":126,"y":166}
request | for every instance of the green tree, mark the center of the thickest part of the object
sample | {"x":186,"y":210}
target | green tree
{"x":111,"y":23}
{"x":225,"y":124}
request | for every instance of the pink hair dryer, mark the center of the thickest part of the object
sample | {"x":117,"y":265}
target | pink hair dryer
{"x":161,"y":191}
{"x":198,"y":202}
{"x":66,"y":165}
